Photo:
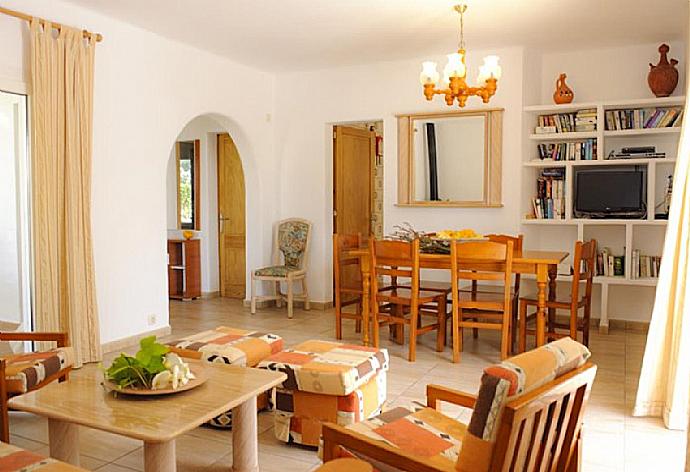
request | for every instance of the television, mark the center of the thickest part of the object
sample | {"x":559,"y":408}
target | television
{"x":610,"y":192}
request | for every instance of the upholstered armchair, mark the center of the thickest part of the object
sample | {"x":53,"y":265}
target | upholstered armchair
{"x":25,"y":372}
{"x":527,"y":416}
{"x":289,"y":265}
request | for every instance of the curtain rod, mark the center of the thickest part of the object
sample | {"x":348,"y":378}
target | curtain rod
{"x":23,"y":16}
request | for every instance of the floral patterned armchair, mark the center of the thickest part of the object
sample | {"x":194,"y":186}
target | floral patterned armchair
{"x":290,"y":249}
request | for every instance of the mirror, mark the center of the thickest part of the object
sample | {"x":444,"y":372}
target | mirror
{"x":450,"y":159}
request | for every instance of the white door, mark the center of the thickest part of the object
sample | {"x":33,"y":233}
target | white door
{"x":15,"y":286}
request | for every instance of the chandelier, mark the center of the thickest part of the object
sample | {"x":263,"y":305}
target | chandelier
{"x":455,"y":72}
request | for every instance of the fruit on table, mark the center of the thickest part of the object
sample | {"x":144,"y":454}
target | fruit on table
{"x":454,"y":234}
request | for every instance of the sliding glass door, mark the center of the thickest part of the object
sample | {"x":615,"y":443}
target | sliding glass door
{"x":15,"y":275}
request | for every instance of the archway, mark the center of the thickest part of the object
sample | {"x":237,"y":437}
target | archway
{"x":198,"y":196}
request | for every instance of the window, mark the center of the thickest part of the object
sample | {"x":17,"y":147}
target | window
{"x":188,"y":177}
{"x":15,"y":281}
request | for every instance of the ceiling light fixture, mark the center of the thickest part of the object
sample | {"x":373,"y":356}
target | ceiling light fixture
{"x":455,"y":72}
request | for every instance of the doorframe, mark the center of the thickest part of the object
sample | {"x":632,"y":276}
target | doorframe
{"x":217,"y":215}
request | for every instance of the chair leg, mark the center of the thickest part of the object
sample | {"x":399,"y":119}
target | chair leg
{"x":279,"y":295}
{"x":505,"y":339}
{"x":414,"y":317}
{"x":290,"y":297}
{"x":305,"y":293}
{"x":523,"y":326}
{"x":514,"y":325}
{"x":375,"y":319}
{"x":4,"y":407}
{"x":338,"y":318}
{"x":475,"y":331}
{"x":586,"y":323}
{"x":441,"y":330}
{"x":252,"y":308}
{"x":358,"y":322}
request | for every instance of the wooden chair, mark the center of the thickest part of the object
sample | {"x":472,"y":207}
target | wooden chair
{"x":399,"y":259}
{"x":583,"y":270}
{"x":290,"y":252}
{"x":537,"y":431}
{"x":47,"y":367}
{"x":475,"y":261}
{"x":346,"y":292}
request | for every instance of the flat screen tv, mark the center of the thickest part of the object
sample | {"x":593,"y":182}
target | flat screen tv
{"x":610,"y":193}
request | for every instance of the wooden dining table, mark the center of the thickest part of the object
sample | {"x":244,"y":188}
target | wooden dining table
{"x":542,"y":264}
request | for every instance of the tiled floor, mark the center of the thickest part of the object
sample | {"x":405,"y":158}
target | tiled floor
{"x":613,"y":440}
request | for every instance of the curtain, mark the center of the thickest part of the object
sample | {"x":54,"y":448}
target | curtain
{"x":61,"y":128}
{"x":664,"y":386}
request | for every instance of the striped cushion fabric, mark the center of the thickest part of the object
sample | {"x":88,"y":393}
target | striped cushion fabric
{"x":26,"y":370}
{"x":506,"y":381}
{"x":14,"y":459}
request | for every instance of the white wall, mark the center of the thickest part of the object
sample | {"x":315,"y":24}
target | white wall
{"x":205,"y":129}
{"x":146,"y":89}
{"x":308,"y":102}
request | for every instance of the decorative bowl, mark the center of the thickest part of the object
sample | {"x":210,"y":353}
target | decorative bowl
{"x":198,"y":371}
{"x":188,"y":234}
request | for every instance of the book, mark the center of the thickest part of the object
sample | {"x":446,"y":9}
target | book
{"x":641,"y":118}
{"x":549,"y":202}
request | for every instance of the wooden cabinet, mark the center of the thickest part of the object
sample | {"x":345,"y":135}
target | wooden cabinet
{"x":184,"y":269}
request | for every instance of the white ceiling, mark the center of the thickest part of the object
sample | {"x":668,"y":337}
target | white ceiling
{"x":282,"y":35}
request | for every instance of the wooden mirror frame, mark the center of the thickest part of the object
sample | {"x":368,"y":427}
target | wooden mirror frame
{"x":196,"y":186}
{"x":492,"y":154}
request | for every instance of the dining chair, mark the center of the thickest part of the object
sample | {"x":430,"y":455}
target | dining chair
{"x":515,"y":294}
{"x":347,"y":281}
{"x":481,"y":261}
{"x":290,"y":252}
{"x":395,"y":260}
{"x":583,"y":270}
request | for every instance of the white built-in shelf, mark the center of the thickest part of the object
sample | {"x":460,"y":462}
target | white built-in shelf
{"x":593,"y":222}
{"x":606,"y":105}
{"x":605,"y":280}
{"x":566,"y":108}
{"x":641,"y":132}
{"x":596,"y":162}
{"x":574,"y":135}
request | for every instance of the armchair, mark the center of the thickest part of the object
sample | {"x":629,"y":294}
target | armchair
{"x":25,"y":372}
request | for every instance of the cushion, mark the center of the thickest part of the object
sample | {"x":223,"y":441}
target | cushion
{"x":275,"y":271}
{"x":24,"y":371}
{"x":240,"y":347}
{"x":15,"y":459}
{"x":292,"y":242}
{"x":422,"y":432}
{"x":506,"y":381}
{"x":329,"y":368}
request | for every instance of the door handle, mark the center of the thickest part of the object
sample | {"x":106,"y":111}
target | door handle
{"x":221,"y":222}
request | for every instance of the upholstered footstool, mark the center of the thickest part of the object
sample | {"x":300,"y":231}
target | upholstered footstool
{"x":233,"y":346}
{"x":327,"y":381}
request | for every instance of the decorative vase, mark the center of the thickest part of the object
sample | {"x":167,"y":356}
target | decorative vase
{"x":563,"y":93}
{"x":663,"y":77}
{"x":188,"y":234}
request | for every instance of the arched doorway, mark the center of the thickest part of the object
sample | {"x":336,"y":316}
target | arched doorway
{"x":206,"y":194}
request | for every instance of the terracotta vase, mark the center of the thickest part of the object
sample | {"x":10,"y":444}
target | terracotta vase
{"x":563,"y":93}
{"x":663,"y":77}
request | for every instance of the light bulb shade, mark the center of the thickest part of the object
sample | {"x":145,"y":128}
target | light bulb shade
{"x":429,"y":74}
{"x":455,"y":66}
{"x":490,"y":69}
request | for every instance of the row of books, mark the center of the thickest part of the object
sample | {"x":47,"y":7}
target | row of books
{"x":640,"y":118}
{"x":549,"y":203}
{"x":580,"y":121}
{"x":609,"y":265}
{"x":572,"y":151}
{"x":643,"y":267}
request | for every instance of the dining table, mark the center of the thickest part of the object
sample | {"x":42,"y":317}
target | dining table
{"x":542,"y":264}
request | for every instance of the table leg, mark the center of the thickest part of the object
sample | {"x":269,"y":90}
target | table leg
{"x":245,"y":439}
{"x":366,"y":297}
{"x":553,"y":273}
{"x":159,"y":456}
{"x":542,"y":276}
{"x":64,"y":441}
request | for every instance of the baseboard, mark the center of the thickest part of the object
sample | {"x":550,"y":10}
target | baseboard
{"x":120,"y":344}
{"x":209,"y":295}
{"x":314,"y":305}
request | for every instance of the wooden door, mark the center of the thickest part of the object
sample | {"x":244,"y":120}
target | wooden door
{"x":354,"y":152}
{"x":231,"y":220}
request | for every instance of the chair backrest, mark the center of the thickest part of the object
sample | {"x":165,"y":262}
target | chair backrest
{"x":529,"y":411}
{"x":394,"y":259}
{"x":584,"y":268}
{"x":342,"y":243}
{"x":517,"y":250}
{"x":292,"y":237}
{"x":483,"y":260}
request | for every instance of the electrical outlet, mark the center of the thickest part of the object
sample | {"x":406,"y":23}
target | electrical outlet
{"x":152,"y":320}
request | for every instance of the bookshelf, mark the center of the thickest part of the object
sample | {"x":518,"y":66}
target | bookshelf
{"x":622,"y":236}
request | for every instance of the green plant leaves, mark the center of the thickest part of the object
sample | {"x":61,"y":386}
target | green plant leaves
{"x":138,"y":371}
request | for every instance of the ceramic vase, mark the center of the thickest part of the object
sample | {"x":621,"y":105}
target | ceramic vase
{"x":563,"y":93}
{"x":663,"y":77}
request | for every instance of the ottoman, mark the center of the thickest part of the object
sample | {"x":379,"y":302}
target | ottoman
{"x":239,"y":347}
{"x":327,"y":381}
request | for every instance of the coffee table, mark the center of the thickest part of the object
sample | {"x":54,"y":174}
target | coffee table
{"x":156,"y":420}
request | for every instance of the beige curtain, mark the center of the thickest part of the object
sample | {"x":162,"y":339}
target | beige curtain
{"x":61,"y":128}
{"x":664,"y":386}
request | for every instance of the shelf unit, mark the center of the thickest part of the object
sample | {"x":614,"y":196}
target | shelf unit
{"x":184,"y":269}
{"x":624,"y":234}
